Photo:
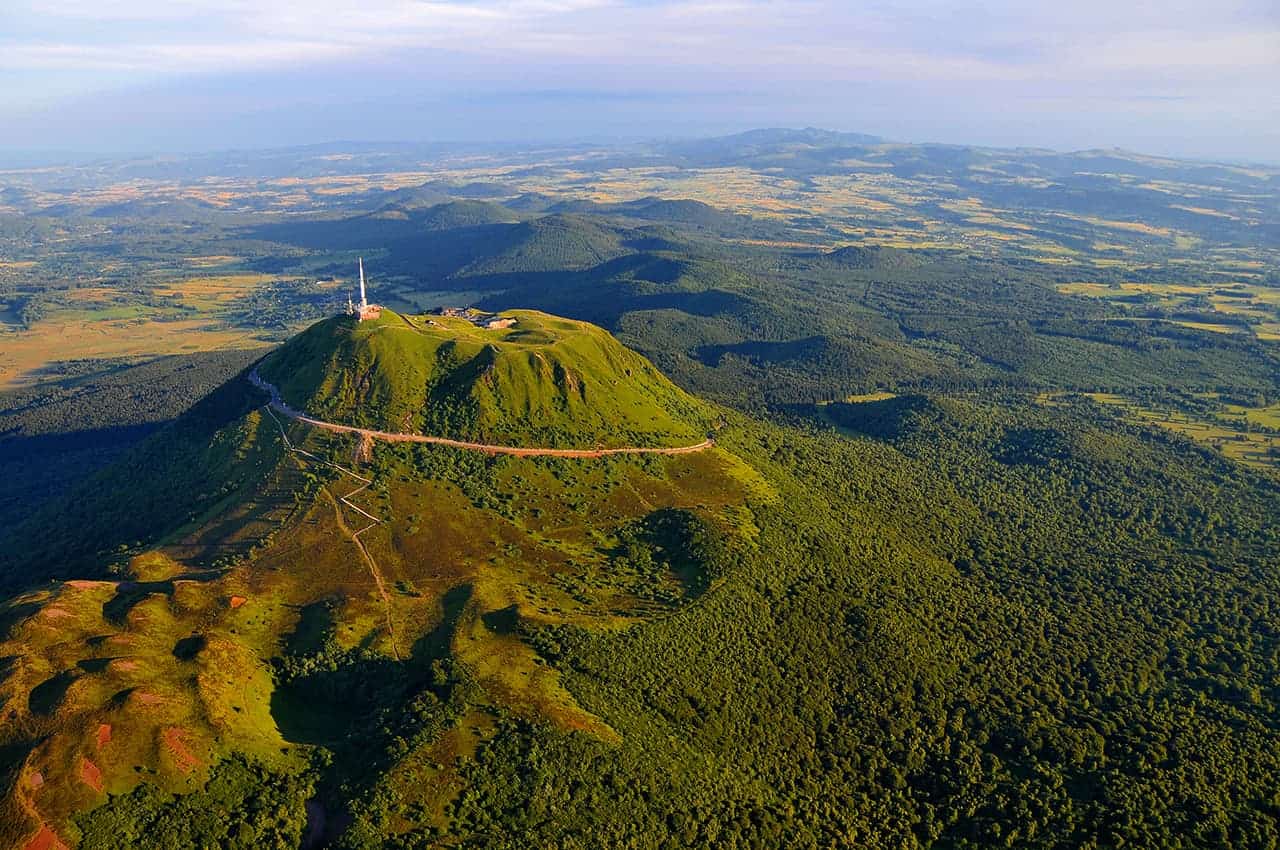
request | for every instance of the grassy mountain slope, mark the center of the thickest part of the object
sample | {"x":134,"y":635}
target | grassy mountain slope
{"x":545,"y":381}
{"x":846,"y":642}
{"x":231,"y":643}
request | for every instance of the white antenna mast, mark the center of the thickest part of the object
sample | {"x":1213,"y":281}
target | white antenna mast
{"x":364,"y":304}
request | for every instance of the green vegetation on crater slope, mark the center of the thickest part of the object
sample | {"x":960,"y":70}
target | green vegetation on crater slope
{"x":962,"y":605}
{"x":255,"y":628}
{"x":546,"y":381}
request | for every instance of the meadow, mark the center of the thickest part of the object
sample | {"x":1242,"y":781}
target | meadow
{"x":1242,"y":306}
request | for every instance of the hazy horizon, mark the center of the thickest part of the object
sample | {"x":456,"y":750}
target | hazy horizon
{"x":34,"y":158}
{"x":1186,"y":79}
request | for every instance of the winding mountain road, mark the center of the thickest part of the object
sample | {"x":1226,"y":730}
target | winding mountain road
{"x":518,"y":451}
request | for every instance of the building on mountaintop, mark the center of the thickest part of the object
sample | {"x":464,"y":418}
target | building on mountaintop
{"x":479,"y":318}
{"x":363,"y":310}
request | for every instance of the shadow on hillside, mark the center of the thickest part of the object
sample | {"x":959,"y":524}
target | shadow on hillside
{"x":333,"y":693}
{"x":436,"y":644}
{"x":37,"y":469}
{"x":158,"y":484}
{"x":45,"y":697}
{"x":762,"y":352}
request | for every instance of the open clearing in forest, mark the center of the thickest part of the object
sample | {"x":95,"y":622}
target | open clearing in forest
{"x":1233,"y":431}
{"x":1243,"y":306}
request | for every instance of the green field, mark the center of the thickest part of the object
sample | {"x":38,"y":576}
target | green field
{"x":1249,"y":435}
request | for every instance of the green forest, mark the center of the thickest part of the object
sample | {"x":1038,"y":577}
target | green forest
{"x":959,"y":625}
{"x":983,"y":552}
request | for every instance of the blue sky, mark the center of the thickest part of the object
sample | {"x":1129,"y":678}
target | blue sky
{"x":1174,"y":76}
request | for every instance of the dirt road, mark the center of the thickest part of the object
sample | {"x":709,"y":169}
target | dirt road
{"x":353,"y":536}
{"x":518,"y":451}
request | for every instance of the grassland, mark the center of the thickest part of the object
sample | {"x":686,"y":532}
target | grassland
{"x":1247,"y":435}
{"x":1244,"y":306}
{"x":545,"y":381}
{"x":213,"y":294}
{"x":175,"y":316}
{"x":25,"y":354}
{"x":166,"y":671}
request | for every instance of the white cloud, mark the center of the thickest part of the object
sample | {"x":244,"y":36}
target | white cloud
{"x":1170,"y":51}
{"x":972,"y":35}
{"x":1178,"y":42}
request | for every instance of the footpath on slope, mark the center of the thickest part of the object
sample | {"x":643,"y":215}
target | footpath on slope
{"x":519,"y":451}
{"x":353,"y":535}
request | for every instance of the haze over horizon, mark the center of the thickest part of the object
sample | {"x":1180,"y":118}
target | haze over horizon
{"x":1182,"y":78}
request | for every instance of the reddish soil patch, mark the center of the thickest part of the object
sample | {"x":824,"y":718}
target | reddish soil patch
{"x":145,"y":698}
{"x":182,"y":756}
{"x":36,"y":779}
{"x":45,"y":839}
{"x":104,"y":735}
{"x":123,"y":665}
{"x":237,"y":601}
{"x":363,"y":450}
{"x":83,"y":584}
{"x":55,"y":613}
{"x":90,"y":775}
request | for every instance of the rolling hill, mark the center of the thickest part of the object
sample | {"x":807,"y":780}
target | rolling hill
{"x":177,"y":661}
{"x":544,"y":381}
{"x":845,"y":629}
{"x":984,"y":552}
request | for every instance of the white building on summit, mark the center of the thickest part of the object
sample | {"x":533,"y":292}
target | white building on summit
{"x":364,"y":310}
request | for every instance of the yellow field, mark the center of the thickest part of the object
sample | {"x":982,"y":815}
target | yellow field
{"x":1255,"y":304}
{"x":1267,"y":417}
{"x":91,"y":294}
{"x":861,"y":398}
{"x":1129,"y":226}
{"x":1204,"y":211}
{"x":212,"y":292}
{"x":101,"y":322}
{"x":1229,"y":433}
{"x":24,"y":353}
{"x":211,"y":260}
{"x":1209,"y":326}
